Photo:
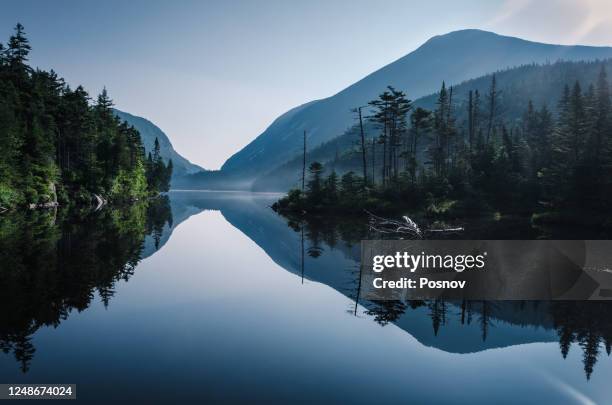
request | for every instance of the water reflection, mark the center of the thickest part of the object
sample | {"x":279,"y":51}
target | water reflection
{"x":580,"y":323}
{"x":55,"y":262}
{"x":52,"y":264}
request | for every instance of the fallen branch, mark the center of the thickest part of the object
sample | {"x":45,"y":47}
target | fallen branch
{"x":406,"y":226}
{"x":391,"y":226}
{"x":458,"y":229}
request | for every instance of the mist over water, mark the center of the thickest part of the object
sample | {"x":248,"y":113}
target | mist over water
{"x":215,"y":297}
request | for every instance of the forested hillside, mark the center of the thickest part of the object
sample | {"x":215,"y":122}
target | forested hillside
{"x":540,"y":85}
{"x":481,"y":148}
{"x":58,"y":145}
{"x":148,"y":133}
{"x":454,"y":57}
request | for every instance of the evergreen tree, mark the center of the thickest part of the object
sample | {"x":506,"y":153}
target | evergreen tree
{"x":493,"y":107}
{"x":349,"y":186}
{"x":330,"y":188}
{"x":556,"y":179}
{"x":390,"y":113}
{"x":420,"y":121}
{"x":314,"y":186}
{"x":18,"y":49}
{"x":443,"y":134}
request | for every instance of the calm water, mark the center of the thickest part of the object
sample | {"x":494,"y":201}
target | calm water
{"x":212,"y":296}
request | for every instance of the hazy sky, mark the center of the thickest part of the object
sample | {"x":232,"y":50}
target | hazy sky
{"x":213,"y":75}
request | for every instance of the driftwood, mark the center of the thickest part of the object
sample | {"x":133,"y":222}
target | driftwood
{"x":447,"y":230}
{"x":384,"y":225}
{"x":404,"y":227}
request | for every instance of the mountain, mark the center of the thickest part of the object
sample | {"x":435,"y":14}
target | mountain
{"x":541,"y":84}
{"x":336,"y":266}
{"x":454,"y":57}
{"x":148,"y":133}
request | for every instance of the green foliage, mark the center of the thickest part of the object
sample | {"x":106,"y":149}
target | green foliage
{"x":538,"y":163}
{"x":8,"y":196}
{"x":158,"y":174}
{"x":52,"y":137}
{"x":129,"y":186}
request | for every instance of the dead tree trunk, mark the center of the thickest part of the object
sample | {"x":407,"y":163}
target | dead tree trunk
{"x":363,"y":150}
{"x":304,"y":163}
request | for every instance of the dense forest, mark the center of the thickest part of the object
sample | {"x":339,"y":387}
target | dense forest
{"x":540,"y":84}
{"x":472,"y":156}
{"x":58,"y":145}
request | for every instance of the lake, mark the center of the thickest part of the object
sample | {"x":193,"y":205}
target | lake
{"x":213,"y":296}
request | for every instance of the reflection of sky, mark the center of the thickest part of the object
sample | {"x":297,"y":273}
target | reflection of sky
{"x":213,"y":75}
{"x":211,"y":314}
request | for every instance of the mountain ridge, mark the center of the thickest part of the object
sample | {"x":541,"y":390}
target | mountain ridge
{"x":148,"y":132}
{"x":454,"y":57}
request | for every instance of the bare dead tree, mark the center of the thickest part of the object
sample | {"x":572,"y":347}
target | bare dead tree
{"x":363,"y":149}
{"x":304,"y":163}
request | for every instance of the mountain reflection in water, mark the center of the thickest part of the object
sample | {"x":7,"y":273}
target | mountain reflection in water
{"x":54,"y":263}
{"x":328,"y":252}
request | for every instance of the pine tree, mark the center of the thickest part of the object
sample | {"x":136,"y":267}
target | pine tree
{"x":493,"y":107}
{"x":18,"y":49}
{"x":330,"y":188}
{"x":556,"y":179}
{"x":156,"y":151}
{"x":314,"y":187}
{"x":599,"y":144}
{"x":444,"y":131}
{"x":603,"y":119}
{"x":578,"y":124}
{"x":349,"y":186}
{"x":168,"y":179}
{"x":420,"y":121}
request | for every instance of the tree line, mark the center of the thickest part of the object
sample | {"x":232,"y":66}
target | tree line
{"x":544,"y":162}
{"x":58,"y":144}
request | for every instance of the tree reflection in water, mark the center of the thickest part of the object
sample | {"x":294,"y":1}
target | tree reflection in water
{"x":55,"y":262}
{"x":582,"y":323}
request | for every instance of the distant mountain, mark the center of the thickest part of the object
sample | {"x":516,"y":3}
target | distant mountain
{"x":148,"y":133}
{"x":542,"y":84}
{"x":454,"y":57}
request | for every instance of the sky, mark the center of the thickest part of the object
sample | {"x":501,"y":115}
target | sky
{"x":214,"y":74}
